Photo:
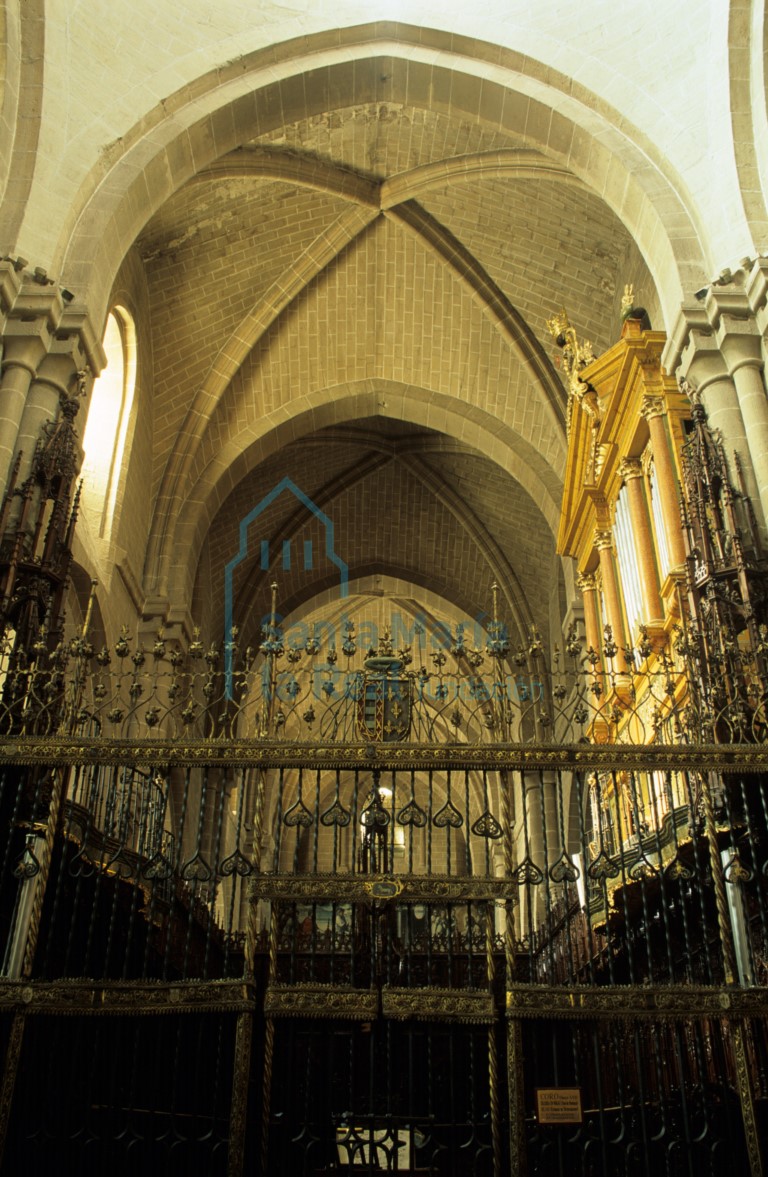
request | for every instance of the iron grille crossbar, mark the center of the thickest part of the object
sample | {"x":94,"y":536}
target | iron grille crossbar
{"x":257,"y":754}
{"x":358,"y":889}
{"x":72,"y":997}
{"x":636,"y":1001}
{"x":522,"y":1000}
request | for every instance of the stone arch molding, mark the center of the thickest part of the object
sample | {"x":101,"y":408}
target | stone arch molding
{"x":22,"y":44}
{"x":472,"y":426}
{"x":204,"y":121}
{"x":748,"y":82}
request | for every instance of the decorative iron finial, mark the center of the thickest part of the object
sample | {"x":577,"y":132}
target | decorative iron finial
{"x":385,"y":643}
{"x":81,"y":378}
{"x":689,"y":390}
{"x":384,"y":657}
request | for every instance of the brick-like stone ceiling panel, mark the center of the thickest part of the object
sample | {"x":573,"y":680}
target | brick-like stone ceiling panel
{"x":202,"y":210}
{"x":210,"y":254}
{"x":508,"y":514}
{"x":311,"y":464}
{"x":388,"y":308}
{"x":385,"y":138}
{"x":545,"y":242}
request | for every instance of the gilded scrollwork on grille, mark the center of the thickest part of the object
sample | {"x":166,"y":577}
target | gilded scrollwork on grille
{"x":320,"y":1001}
{"x":136,"y":997}
{"x":359,"y":889}
{"x":635,"y":1001}
{"x":438,"y":1005}
{"x":578,"y":757}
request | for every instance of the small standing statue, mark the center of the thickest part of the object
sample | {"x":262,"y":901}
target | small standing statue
{"x":576,"y":356}
{"x":630,"y":311}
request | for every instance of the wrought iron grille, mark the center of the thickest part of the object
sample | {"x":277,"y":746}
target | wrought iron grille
{"x":360,"y":948}
{"x":456,"y":696}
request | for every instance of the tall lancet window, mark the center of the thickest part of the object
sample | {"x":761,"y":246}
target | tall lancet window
{"x":107,"y":425}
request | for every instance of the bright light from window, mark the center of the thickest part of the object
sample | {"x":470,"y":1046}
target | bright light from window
{"x":108,"y":415}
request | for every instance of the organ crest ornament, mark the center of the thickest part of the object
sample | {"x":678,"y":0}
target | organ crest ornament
{"x":577,"y":355}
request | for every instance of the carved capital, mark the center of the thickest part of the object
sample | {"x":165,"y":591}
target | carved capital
{"x":586,"y":582}
{"x":652,"y":406}
{"x":604,"y":540}
{"x":630,"y":468}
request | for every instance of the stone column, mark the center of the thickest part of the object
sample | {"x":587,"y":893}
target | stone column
{"x":612,"y":596}
{"x":33,"y":320}
{"x":654,"y":411}
{"x":20,"y":361}
{"x":551,"y":816}
{"x":53,"y":382}
{"x":631,"y":470}
{"x":48,"y":346}
{"x":703,"y":364}
{"x":738,"y":338}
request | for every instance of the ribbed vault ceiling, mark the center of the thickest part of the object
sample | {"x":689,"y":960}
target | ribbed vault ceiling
{"x":407,"y":503}
{"x":389,"y":247}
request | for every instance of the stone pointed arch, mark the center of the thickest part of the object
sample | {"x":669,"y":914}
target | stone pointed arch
{"x":22,"y":45}
{"x":468,"y":424}
{"x":747,"y":44}
{"x":502,"y":88}
{"x":518,"y":607}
